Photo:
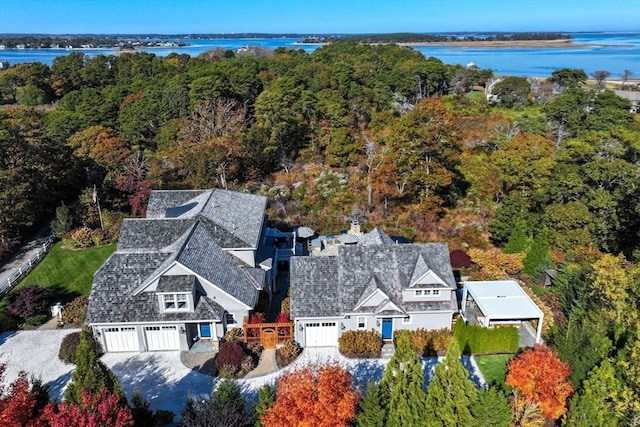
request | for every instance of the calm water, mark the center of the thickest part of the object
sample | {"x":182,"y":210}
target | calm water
{"x":613,"y":52}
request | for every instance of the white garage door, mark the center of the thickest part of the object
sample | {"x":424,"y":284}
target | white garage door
{"x":162,"y":337}
{"x":121,"y":339}
{"x":321,"y":334}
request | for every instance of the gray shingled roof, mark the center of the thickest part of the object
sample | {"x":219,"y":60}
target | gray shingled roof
{"x":240,"y":215}
{"x":202,"y":255}
{"x":314,"y":289}
{"x":332,"y":286}
{"x":194,"y":235}
{"x":375,"y":237}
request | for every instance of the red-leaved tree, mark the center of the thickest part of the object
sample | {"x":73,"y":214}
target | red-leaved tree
{"x":539,"y":378}
{"x":318,"y":396}
{"x":102,"y":409}
{"x":22,"y":402}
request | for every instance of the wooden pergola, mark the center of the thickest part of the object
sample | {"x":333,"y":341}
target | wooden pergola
{"x":267,"y":334}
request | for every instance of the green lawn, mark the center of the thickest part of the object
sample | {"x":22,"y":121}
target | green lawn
{"x":68,"y":273}
{"x":494,"y":367}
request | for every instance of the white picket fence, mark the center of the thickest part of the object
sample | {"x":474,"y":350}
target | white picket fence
{"x":25,"y":268}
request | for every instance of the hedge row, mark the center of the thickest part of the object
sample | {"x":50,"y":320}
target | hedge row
{"x":476,"y":339}
{"x":428,"y":342}
{"x":360,"y":344}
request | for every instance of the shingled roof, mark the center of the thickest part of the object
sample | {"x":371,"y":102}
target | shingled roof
{"x":190,"y":228}
{"x":239,"y":215}
{"x":332,"y":286}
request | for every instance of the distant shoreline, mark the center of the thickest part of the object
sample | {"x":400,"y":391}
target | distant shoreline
{"x":561,"y":44}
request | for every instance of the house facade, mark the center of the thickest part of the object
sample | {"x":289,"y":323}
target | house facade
{"x":374,"y":284}
{"x":187,"y":272}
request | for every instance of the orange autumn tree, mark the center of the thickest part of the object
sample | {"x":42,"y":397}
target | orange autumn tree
{"x":313,"y":396}
{"x":539,"y":379}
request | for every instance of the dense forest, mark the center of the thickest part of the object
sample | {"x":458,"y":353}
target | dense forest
{"x":546,"y":174}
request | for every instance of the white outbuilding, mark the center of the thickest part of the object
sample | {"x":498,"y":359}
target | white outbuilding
{"x":499,"y":302}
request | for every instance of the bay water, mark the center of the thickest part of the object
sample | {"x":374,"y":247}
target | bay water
{"x":612,"y":52}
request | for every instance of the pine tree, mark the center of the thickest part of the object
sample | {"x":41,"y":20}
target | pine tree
{"x":594,"y":406}
{"x":266,"y":399}
{"x":491,"y":409}
{"x":225,"y":407}
{"x":537,"y":254}
{"x":518,"y":239}
{"x":372,"y":408}
{"x":451,"y":393}
{"x":90,"y":375}
{"x":62,"y":223}
{"x":402,"y":382}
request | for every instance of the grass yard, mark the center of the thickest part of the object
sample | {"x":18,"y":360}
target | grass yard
{"x":68,"y":273}
{"x":494,"y":367}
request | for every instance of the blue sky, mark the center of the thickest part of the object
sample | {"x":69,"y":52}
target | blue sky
{"x":313,"y":16}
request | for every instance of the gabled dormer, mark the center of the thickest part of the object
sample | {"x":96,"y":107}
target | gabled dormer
{"x":375,"y":299}
{"x":371,"y":295}
{"x":176,"y":293}
{"x":425,"y":284}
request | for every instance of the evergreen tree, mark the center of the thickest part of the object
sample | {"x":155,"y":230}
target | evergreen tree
{"x":594,"y":406}
{"x":90,"y":375}
{"x":537,"y":254}
{"x":491,"y":409}
{"x":62,"y":223}
{"x":225,"y":408}
{"x":451,"y":393}
{"x":401,"y":386}
{"x":266,"y":399}
{"x":372,"y":408}
{"x":141,"y":411}
{"x":518,"y":239}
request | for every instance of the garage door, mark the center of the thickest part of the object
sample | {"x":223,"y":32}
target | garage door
{"x":321,"y":334}
{"x":121,"y":339}
{"x":162,"y":337}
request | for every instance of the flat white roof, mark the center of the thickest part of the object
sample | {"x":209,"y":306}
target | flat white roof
{"x":503,"y":299}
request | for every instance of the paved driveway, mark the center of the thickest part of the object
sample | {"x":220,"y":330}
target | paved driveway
{"x":160,"y":376}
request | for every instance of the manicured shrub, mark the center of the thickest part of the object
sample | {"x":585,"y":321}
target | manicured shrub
{"x":282,"y":318}
{"x":69,"y":346}
{"x":360,"y":344}
{"x":29,"y":301}
{"x":475,"y":339}
{"x":229,"y":357}
{"x":287,"y":353}
{"x":234,"y":334}
{"x":256,"y":318}
{"x":76,"y":311}
{"x":7,"y":323}
{"x":428,"y":342}
{"x":36,"y":320}
{"x":285,"y":306}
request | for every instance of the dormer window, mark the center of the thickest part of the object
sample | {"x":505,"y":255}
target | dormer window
{"x":426,"y":292}
{"x":175,"y":302}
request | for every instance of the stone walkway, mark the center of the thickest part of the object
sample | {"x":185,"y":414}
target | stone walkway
{"x":267,"y":364}
{"x":203,"y":362}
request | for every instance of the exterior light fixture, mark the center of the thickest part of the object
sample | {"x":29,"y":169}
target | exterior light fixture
{"x":342,"y":326}
{"x":182,"y":331}
{"x":300,"y":327}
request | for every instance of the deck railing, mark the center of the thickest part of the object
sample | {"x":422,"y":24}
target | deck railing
{"x":254,"y":332}
{"x":26,"y":267}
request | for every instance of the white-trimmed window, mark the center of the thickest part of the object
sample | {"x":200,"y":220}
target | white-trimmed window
{"x":406,"y":320}
{"x":175,"y":302}
{"x":362,"y":322}
{"x":418,"y":292}
{"x":229,"y":318}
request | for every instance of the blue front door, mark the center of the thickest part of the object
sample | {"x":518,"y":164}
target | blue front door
{"x":387,"y":329}
{"x":205,"y":330}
